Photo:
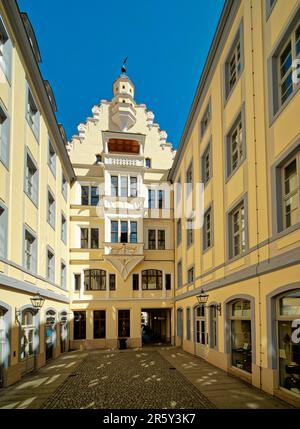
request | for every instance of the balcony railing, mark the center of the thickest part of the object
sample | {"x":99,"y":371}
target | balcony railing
{"x":124,"y":160}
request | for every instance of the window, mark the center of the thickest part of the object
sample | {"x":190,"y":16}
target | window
{"x":89,"y":195}
{"x":178,"y":192}
{"x":189,"y":179}
{"x":94,"y":196}
{"x":151,"y":239}
{"x":269,"y":7}
{"x":178,"y":232}
{"x":51,"y":157}
{"x":282,"y":65}
{"x":79,"y":325}
{"x":99,"y":324}
{"x":205,"y":119}
{"x":207,"y":229}
{"x":114,"y":231}
{"x":168,"y":282}
{"x":135,"y":282}
{"x":112,"y":282}
{"x":151,"y":199}
{"x":133,"y":232}
{"x":206,"y":165}
{"x":291,"y":192}
{"x":133,"y":187}
{"x":30,"y":251}
{"x":148,"y":162}
{"x":151,"y":280}
{"x":84,"y":238}
{"x":98,"y":159}
{"x":64,"y":186}
{"x":161,"y":198}
{"x":50,"y":266}
{"x":161,"y":239}
{"x":5,"y":51}
{"x":63,"y":275}
{"x":77,"y":282}
{"x":63,"y":228}
{"x":94,"y":238}
{"x":237,"y":231}
{"x":3,"y":230}
{"x":4,"y":135}
{"x":188,"y":324}
{"x":234,"y":62}
{"x":179,"y":274}
{"x":123,"y":323}
{"x":31,"y":179}
{"x":200,"y":325}
{"x":95,"y":280}
{"x":235,"y":145}
{"x":190,"y":275}
{"x":189,"y":232}
{"x":51,"y":210}
{"x":290,"y":52}
{"x":241,"y":346}
{"x":33,"y":115}
{"x":114,"y":186}
{"x":27,"y":334}
{"x":124,"y":186}
{"x":124,"y":232}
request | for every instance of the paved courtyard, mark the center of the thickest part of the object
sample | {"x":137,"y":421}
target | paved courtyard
{"x":143,"y":378}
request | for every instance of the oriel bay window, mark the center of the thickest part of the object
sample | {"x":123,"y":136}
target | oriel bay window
{"x":114,"y":231}
{"x":288,"y":348}
{"x":94,"y":280}
{"x":123,"y":323}
{"x":133,"y":187}
{"x":133,"y":232}
{"x":152,"y":280}
{"x":114,"y":186}
{"x":124,"y":186}
{"x":99,"y":324}
{"x":124,"y":232}
{"x":79,"y":325}
{"x":241,"y":348}
{"x":128,"y":231}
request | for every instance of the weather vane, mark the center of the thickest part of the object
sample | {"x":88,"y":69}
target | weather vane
{"x":124,"y":66}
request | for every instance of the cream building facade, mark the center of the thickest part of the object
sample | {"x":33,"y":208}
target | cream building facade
{"x":241,"y":140}
{"x":91,"y":224}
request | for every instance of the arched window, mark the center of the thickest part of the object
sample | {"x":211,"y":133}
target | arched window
{"x":27,"y":334}
{"x":240,"y":324}
{"x":95,"y":280}
{"x":288,"y":322}
{"x":152,"y":280}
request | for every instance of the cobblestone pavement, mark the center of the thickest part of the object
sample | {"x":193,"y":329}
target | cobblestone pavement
{"x":128,"y":379}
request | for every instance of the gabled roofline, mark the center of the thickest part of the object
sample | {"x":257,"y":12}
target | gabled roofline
{"x":19,"y":31}
{"x":225,"y":22}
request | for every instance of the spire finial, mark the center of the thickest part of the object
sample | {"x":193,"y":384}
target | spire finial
{"x":123,"y":69}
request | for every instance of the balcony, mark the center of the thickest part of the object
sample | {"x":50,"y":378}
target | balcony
{"x":122,"y":160}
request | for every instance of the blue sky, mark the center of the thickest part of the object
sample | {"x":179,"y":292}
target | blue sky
{"x":83,"y":44}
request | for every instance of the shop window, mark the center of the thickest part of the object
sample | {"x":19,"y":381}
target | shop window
{"x":27,"y":334}
{"x":288,"y":322}
{"x":241,"y":346}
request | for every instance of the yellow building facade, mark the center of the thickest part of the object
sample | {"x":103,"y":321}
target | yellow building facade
{"x":92,"y":227}
{"x":35,"y":177}
{"x":241,"y":140}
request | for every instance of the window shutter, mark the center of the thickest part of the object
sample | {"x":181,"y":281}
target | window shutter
{"x":5,"y":135}
{"x":7,"y":54}
{"x":35,"y":186}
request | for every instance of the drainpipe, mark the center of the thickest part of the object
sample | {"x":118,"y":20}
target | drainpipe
{"x":258,"y":358}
